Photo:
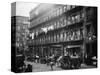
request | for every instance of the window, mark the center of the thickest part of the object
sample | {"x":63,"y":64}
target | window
{"x":54,"y":25}
{"x":65,"y":21}
{"x":50,"y":13}
{"x":60,"y":11}
{"x":81,"y":33}
{"x":54,"y":37}
{"x":68,"y":7}
{"x":69,"y":20}
{"x":58,"y":37}
{"x":43,"y":40}
{"x":72,"y":19}
{"x":78,"y":34}
{"x":57,"y":12}
{"x":65,"y":36}
{"x":61,"y":36}
{"x":82,"y":15}
{"x":40,"y":40}
{"x":61,"y":22}
{"x":77,"y":17}
{"x":64,"y":8}
{"x":43,"y":19}
{"x":18,"y":28}
{"x":48,"y":18}
{"x":58,"y":25}
{"x":49,"y":38}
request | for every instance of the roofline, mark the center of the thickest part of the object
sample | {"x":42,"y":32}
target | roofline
{"x":35,"y":8}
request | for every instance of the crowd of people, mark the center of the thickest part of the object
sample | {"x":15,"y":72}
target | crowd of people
{"x":68,"y":61}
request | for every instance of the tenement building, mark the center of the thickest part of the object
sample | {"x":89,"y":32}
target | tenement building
{"x":59,"y":30}
{"x":20,"y":25}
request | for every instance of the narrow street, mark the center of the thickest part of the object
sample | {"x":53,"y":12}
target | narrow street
{"x":37,"y":67}
{"x":54,"y":37}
